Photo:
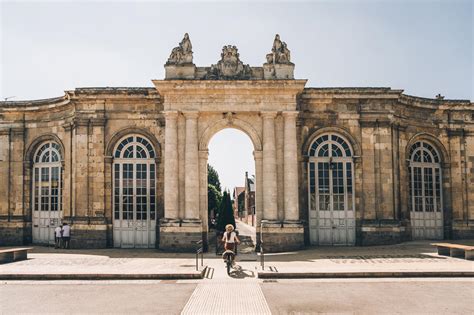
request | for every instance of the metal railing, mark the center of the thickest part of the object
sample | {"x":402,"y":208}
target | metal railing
{"x":199,"y":250}
{"x":262,"y":255}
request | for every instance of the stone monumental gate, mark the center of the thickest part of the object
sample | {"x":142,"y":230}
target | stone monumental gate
{"x":127,"y":167}
{"x":201,"y":101}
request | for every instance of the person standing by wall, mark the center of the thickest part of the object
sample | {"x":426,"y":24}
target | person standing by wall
{"x":66,"y":235}
{"x":57,"y":236}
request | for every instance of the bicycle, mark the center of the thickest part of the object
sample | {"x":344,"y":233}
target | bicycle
{"x":229,"y":258}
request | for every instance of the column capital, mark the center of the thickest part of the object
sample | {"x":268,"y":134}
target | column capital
{"x":268,"y":114}
{"x":290,"y":113}
{"x":258,"y":155}
{"x":170,"y":114}
{"x":191,"y":114}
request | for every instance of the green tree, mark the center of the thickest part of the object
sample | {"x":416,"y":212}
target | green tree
{"x":214,"y":194}
{"x":214,"y":198}
{"x":226,"y":213}
{"x":213,"y":178}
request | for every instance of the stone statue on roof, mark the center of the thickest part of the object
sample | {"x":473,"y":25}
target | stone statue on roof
{"x":183,"y":54}
{"x":230,"y":66}
{"x":280,"y":53}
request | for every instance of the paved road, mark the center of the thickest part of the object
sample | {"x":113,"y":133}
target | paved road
{"x":368,"y":296}
{"x":374,"y":296}
{"x":82,"y":297}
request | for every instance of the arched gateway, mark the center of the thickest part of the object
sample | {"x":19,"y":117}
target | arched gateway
{"x":126,"y":167}
{"x":198,"y":103}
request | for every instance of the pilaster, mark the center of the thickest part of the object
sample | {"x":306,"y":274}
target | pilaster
{"x":191,"y":190}
{"x":269,"y":167}
{"x":171,"y":166}
{"x":290,"y":167}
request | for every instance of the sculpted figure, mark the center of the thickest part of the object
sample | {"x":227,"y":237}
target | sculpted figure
{"x":230,"y":66}
{"x":285,"y":54}
{"x":183,"y":54}
{"x":186,"y":45}
{"x":276,"y":44}
{"x":280,"y":52}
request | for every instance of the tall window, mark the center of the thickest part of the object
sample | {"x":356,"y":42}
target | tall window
{"x":47,"y":178}
{"x":425,"y":178}
{"x":331,"y":191}
{"x":134,"y":180}
{"x":331,"y":164}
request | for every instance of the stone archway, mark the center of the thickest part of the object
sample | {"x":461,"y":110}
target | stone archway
{"x":215,"y":126}
{"x":230,"y":121}
{"x":194,"y":111}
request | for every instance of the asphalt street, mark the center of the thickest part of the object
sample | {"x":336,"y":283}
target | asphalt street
{"x":360,"y":296}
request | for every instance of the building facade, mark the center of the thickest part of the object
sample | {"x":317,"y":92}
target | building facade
{"x":127,"y":167}
{"x":244,"y":201}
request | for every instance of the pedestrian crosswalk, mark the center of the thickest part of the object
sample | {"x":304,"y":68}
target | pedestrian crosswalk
{"x":223,"y":297}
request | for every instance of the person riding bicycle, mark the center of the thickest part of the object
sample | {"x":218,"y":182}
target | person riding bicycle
{"x":230,"y":238}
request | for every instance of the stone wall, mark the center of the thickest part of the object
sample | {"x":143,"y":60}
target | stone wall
{"x":379,"y":123}
{"x":85,"y":123}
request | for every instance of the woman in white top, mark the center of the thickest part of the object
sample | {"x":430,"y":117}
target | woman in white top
{"x":230,"y":238}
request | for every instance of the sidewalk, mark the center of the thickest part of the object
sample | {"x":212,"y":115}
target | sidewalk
{"x":46,"y":263}
{"x":411,"y":259}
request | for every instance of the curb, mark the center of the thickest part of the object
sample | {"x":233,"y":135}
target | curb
{"x":382,"y":274}
{"x":107,"y":276}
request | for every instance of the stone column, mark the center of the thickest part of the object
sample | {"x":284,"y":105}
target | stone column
{"x":258,"y":155}
{"x":203,"y":208}
{"x":171,"y":166}
{"x":191,"y":167}
{"x":290,"y":167}
{"x":81,"y":193}
{"x":269,"y":188}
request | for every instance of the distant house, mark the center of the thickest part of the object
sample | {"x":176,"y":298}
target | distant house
{"x":235,"y":196}
{"x":244,"y":201}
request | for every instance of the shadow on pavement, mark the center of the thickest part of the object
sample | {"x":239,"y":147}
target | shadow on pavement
{"x":240,"y":273}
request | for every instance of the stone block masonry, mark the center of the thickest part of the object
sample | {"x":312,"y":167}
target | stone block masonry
{"x":357,"y":189}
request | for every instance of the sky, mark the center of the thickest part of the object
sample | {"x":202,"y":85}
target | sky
{"x":423,"y":47}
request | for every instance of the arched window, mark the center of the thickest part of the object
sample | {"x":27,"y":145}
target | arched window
{"x":47,"y":191}
{"x":425,"y":189}
{"x":134,"y":193}
{"x":331,"y":195}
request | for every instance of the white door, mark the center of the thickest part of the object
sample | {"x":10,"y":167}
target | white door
{"x":331,"y":201}
{"x":46,"y":193}
{"x":134,"y":224}
{"x":426,"y":211}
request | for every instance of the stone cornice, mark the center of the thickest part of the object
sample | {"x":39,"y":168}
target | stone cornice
{"x":326,"y":94}
{"x":351,"y":92}
{"x":229,"y":96}
{"x":113,"y":92}
{"x":199,"y":87}
{"x":430,"y":102}
{"x":32,"y":105}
